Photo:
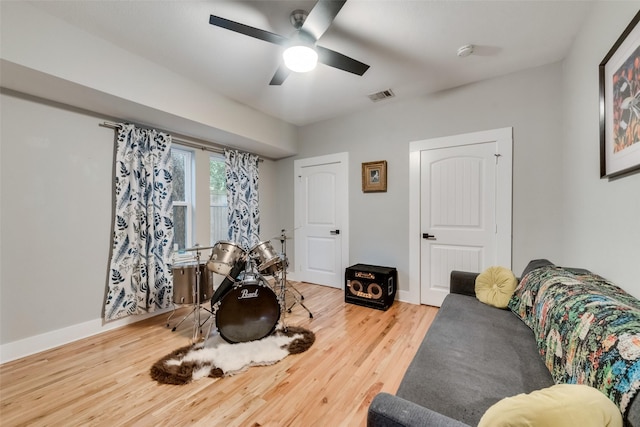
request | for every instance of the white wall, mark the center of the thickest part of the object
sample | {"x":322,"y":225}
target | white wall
{"x":601,"y":219}
{"x":56,"y":181}
{"x":529,"y":101}
{"x":44,"y":56}
{"x":57,"y":196}
{"x":57,"y":167}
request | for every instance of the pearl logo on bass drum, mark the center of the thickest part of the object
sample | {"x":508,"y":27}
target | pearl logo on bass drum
{"x":370,"y":286}
{"x":245,"y":294}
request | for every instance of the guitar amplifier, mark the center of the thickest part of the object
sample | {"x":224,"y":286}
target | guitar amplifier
{"x":370,"y":286}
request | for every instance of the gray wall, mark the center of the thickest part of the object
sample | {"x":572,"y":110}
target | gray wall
{"x":561,"y":209}
{"x":601,"y":219}
{"x":56,"y":185}
{"x":528,"y":101}
{"x":56,"y":182}
{"x":56,"y":173}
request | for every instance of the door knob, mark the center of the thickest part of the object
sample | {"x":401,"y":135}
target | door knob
{"x":428,"y":236}
{"x":334,"y":232}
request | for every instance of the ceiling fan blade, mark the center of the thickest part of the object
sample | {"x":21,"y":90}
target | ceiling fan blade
{"x":321,"y":17}
{"x":247,"y":30}
{"x":337,"y":60}
{"x":281,"y":74}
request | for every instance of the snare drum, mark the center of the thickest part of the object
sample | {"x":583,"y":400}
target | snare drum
{"x":269,"y":261}
{"x":184,"y":283}
{"x":247,"y":312}
{"x":224,"y":256}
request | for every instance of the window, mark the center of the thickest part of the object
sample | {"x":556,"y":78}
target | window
{"x":218,"y":199}
{"x":182,"y":197}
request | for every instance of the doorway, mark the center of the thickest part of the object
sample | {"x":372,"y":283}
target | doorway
{"x":460,"y":209}
{"x":321,"y":219}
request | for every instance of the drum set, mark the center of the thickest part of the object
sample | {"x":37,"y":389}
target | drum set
{"x":245,"y":307}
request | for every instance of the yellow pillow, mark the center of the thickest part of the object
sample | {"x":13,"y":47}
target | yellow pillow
{"x":561,"y":405}
{"x":495,"y":285}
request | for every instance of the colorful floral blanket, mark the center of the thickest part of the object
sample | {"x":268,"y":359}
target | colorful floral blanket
{"x":587,"y":329}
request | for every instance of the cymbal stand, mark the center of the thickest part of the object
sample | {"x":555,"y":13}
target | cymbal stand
{"x":285,"y":284}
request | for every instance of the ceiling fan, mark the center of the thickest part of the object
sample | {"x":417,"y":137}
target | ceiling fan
{"x":309,"y":28}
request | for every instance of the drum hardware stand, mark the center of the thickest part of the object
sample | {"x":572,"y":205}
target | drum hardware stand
{"x":287,"y":286}
{"x":197,"y":326}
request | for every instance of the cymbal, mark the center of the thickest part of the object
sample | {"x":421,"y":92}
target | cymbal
{"x":281,"y":237}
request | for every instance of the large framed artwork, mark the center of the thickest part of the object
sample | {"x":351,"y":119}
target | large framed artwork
{"x":620,"y":105}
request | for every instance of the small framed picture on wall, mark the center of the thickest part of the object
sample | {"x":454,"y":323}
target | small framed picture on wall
{"x":374,"y":177}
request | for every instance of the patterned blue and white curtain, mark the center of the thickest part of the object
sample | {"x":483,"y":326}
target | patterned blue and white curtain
{"x":242,"y":198}
{"x":141,"y":279}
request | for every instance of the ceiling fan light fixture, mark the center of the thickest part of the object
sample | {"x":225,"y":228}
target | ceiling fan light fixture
{"x":300,"y":58}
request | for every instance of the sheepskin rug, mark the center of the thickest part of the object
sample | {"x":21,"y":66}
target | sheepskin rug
{"x":217,"y":358}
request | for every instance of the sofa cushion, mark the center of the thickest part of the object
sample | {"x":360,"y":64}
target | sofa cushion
{"x":562,"y":405}
{"x":473,"y":356}
{"x":495,"y":285}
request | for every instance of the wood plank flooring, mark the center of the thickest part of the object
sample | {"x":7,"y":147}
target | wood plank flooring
{"x":104,"y":380}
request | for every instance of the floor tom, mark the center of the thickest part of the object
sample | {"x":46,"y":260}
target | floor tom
{"x":184,"y":283}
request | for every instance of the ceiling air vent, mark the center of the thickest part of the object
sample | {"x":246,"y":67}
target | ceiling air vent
{"x":385,"y":94}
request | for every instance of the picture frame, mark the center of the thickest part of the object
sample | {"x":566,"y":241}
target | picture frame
{"x":374,"y":177}
{"x":619,"y":80}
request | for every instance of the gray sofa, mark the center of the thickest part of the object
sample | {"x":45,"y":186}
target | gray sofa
{"x":472,"y":356}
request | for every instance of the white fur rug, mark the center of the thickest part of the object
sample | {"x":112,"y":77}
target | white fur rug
{"x":217,"y":358}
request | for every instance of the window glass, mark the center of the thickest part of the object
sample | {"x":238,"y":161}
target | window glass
{"x":218,"y":199}
{"x":180,"y":226}
{"x":180,"y":158}
{"x":182,"y":196}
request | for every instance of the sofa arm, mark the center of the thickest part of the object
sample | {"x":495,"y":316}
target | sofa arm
{"x":463,"y":282}
{"x":387,"y":410}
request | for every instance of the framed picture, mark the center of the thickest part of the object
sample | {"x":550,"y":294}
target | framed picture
{"x":374,"y":176}
{"x":620,"y":105}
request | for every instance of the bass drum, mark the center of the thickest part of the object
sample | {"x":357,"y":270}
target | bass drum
{"x":249,"y":311}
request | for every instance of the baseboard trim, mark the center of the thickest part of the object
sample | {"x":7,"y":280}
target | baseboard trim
{"x":406,"y":296}
{"x":39,"y":343}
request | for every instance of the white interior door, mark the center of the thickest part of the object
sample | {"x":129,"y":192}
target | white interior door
{"x":321,"y":219}
{"x":464,"y":208}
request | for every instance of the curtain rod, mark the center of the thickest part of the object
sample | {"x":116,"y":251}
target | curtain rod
{"x":180,"y":141}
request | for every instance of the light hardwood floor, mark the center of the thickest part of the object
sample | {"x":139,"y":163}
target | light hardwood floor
{"x":104,"y":380}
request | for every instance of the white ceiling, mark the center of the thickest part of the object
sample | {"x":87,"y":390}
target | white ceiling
{"x":410,"y":45}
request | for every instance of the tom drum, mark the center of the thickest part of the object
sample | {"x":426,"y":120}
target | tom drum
{"x":269,"y":261}
{"x":224,"y":256}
